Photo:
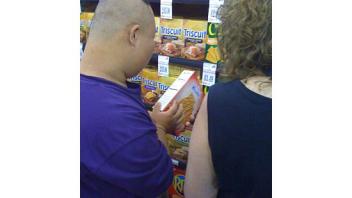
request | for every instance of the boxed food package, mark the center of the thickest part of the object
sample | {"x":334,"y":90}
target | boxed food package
{"x":86,"y":22}
{"x":135,"y":79}
{"x":186,"y":90}
{"x":177,"y":146}
{"x":153,"y":86}
{"x":83,"y":28}
{"x":157,"y":39}
{"x":194,"y":32}
{"x":196,"y":70}
{"x":171,"y":37}
{"x":212,"y":48}
{"x":176,"y":190}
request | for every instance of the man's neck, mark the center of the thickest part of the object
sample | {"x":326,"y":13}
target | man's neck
{"x":117,"y":77}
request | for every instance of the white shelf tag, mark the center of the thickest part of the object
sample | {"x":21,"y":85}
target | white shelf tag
{"x":163,"y":66}
{"x":166,"y":9}
{"x":213,"y":15}
{"x":209,"y":74}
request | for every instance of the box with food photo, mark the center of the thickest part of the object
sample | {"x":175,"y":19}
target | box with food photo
{"x":194,"y":32}
{"x":171,"y":37}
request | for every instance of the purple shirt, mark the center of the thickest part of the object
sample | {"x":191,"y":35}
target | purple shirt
{"x":121,"y":155}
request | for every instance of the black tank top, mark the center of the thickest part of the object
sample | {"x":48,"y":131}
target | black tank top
{"x":240,"y":139}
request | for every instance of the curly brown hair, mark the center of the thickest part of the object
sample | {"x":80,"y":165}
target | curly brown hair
{"x":245,"y":37}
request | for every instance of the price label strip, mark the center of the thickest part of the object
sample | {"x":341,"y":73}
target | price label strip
{"x":166,"y":9}
{"x":213,"y":15}
{"x":209,"y":74}
{"x":163,"y":66}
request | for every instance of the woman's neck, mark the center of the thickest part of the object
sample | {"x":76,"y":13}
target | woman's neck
{"x":259,"y":84}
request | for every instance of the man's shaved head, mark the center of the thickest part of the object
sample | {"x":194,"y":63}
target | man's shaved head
{"x":121,"y":40}
{"x":112,"y":16}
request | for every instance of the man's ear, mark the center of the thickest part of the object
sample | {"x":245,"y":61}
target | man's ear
{"x":134,"y":34}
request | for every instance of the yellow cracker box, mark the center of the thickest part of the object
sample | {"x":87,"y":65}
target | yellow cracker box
{"x":135,"y":79}
{"x":153,"y":86}
{"x":157,"y":39}
{"x":171,"y":37}
{"x":186,"y":90}
{"x":83,"y":28}
{"x":177,"y":146}
{"x":85,"y":24}
{"x":194,"y":32}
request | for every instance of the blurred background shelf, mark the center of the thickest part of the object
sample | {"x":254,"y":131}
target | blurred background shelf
{"x":190,"y":2}
{"x":197,"y":9}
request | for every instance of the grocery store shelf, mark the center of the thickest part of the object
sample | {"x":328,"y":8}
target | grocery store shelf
{"x":190,"y":2}
{"x":197,"y":9}
{"x":178,"y":61}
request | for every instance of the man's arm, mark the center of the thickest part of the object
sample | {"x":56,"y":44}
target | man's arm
{"x":142,"y":167}
{"x":169,"y":121}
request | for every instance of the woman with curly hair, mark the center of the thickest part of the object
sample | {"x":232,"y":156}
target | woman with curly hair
{"x":231,"y":144}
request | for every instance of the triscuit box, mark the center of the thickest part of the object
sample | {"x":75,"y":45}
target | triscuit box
{"x":86,"y":19}
{"x":157,"y":39}
{"x":176,"y":190}
{"x":135,"y":79}
{"x":187,"y":91}
{"x":212,"y":48}
{"x":177,"y":146}
{"x":171,"y":37}
{"x":194,"y":32}
{"x":153,"y":86}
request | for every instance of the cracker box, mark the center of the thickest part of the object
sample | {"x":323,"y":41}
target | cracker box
{"x":83,"y":28}
{"x":171,"y":37}
{"x":177,"y":146}
{"x":157,"y":39}
{"x":86,"y":19}
{"x":186,"y":90}
{"x":194,"y":32}
{"x":135,"y":79}
{"x":212,"y":48}
{"x":176,"y":190}
{"x":153,"y":86}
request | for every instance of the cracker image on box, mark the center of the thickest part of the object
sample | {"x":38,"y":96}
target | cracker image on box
{"x":177,"y":146}
{"x":171,"y":37}
{"x":194,"y":32}
{"x":153,"y":86}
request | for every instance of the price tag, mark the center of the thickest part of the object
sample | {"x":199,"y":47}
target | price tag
{"x":209,"y":74}
{"x":166,"y":9}
{"x":163,"y":66}
{"x":213,"y":15}
{"x":219,"y":2}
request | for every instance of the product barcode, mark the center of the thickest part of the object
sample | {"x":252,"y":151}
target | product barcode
{"x":206,"y":77}
{"x":211,"y":78}
{"x":163,"y":69}
{"x":165,"y":11}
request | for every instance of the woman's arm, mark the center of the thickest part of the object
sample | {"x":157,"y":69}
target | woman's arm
{"x":200,"y":176}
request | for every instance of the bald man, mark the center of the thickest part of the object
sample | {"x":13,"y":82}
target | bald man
{"x":122,"y":145}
